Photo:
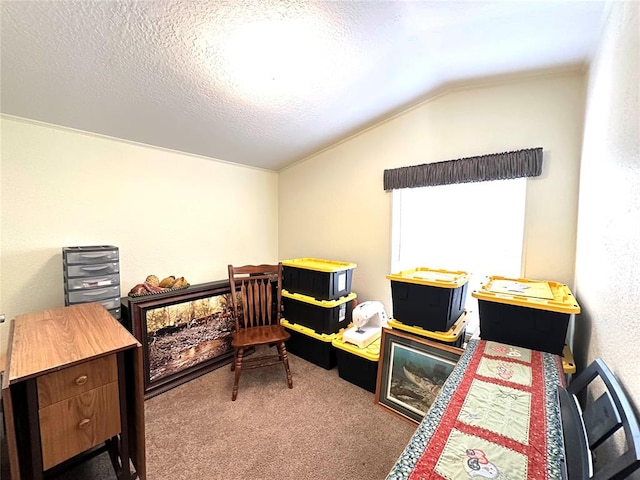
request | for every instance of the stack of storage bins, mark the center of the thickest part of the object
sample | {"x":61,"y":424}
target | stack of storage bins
{"x":527,"y":313}
{"x":430,"y":303}
{"x":92,"y":274}
{"x":318,"y":302}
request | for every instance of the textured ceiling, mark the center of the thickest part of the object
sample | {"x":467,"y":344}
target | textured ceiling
{"x":265,"y":82}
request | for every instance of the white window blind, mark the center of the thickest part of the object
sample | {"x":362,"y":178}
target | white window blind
{"x":474,"y":227}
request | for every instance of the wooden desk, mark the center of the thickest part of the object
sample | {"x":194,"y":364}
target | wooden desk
{"x":73,"y":381}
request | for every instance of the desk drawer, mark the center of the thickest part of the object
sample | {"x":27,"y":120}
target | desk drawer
{"x":76,"y":424}
{"x":56,"y":386}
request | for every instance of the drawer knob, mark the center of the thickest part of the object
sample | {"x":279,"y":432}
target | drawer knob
{"x":84,"y":423}
{"x":81,"y":380}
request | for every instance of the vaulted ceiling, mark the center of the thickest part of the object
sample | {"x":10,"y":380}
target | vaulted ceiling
{"x":266,"y":82}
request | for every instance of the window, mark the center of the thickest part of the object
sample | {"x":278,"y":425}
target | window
{"x":474,"y":227}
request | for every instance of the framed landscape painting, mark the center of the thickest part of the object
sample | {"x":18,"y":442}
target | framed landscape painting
{"x":184,"y":334}
{"x":411,"y":372}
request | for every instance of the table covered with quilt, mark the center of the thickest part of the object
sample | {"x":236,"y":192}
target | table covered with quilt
{"x":497,"y":416}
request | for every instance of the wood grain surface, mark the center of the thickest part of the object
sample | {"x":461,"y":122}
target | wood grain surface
{"x":136,"y":415}
{"x":53,"y":339}
{"x":68,"y":382}
{"x":78,"y":423}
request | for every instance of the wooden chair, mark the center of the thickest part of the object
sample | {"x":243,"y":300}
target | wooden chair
{"x":257,"y":318}
{"x":585,"y":430}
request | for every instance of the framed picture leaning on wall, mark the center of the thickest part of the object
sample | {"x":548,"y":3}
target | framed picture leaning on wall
{"x":411,"y":372}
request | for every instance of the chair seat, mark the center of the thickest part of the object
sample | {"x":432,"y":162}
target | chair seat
{"x":259,"y":336}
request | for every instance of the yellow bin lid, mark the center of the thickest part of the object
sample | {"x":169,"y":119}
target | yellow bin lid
{"x":371,"y":352}
{"x":449,"y":337}
{"x":431,"y":277}
{"x":319,"y":303}
{"x":319,"y":264}
{"x":323,"y":337}
{"x":522,"y":292}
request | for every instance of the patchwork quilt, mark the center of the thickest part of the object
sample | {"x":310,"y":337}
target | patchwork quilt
{"x":497,"y":416}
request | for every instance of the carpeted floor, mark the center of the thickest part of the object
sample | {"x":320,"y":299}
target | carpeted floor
{"x":324,"y":428}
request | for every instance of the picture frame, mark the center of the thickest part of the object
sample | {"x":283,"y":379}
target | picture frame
{"x":411,"y":372}
{"x":184,"y":333}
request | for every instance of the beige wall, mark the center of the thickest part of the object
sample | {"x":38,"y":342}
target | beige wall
{"x":333,"y":205}
{"x":169,"y":213}
{"x":608,"y":250}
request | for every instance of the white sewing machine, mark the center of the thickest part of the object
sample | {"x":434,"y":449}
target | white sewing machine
{"x":368,"y":319}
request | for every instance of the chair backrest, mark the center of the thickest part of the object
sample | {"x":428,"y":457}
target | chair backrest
{"x":260,"y":290}
{"x":584,"y":431}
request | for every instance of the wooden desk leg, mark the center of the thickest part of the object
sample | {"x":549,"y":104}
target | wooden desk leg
{"x":34,"y":429}
{"x":10,"y":430}
{"x":125,"y":471}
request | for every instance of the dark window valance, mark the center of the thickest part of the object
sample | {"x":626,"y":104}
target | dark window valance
{"x":497,"y":166}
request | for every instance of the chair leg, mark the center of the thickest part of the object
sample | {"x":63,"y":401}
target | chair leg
{"x":233,"y":362}
{"x":238,"y":369}
{"x":282,"y":350}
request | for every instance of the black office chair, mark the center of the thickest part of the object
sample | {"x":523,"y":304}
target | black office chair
{"x":584,"y":431}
